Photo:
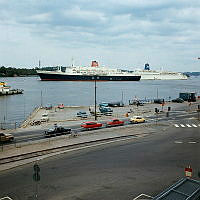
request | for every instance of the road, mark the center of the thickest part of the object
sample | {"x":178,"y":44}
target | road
{"x":39,"y":134}
{"x":118,"y":171}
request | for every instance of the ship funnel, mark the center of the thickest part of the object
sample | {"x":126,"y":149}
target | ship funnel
{"x":94,"y":64}
{"x":146,"y":66}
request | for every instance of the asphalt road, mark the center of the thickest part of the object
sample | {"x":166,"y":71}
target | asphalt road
{"x":118,"y":171}
{"x":34,"y":135}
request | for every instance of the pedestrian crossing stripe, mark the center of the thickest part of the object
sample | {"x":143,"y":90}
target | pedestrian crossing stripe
{"x":186,"y":125}
{"x":194,"y":125}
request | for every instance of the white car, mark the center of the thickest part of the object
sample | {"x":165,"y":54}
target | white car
{"x":45,"y":118}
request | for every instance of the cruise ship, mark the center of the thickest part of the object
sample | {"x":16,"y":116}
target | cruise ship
{"x":91,"y":73}
{"x":148,"y":74}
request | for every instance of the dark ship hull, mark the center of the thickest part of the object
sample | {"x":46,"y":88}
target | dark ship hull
{"x":65,"y":77}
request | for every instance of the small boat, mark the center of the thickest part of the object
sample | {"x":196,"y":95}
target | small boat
{"x":6,"y":90}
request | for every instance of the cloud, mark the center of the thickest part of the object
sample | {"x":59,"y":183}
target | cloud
{"x":112,"y":26}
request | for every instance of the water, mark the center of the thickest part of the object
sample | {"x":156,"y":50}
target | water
{"x":16,"y":108}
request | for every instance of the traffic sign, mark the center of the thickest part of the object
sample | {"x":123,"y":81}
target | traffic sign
{"x":188,"y":171}
{"x":36,"y":167}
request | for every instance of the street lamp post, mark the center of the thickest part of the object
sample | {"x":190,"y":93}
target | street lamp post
{"x":95,"y":98}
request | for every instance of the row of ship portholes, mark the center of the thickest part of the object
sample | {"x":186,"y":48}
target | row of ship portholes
{"x":98,"y":78}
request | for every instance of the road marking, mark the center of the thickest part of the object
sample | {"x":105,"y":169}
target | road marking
{"x":176,"y":125}
{"x":178,"y":142}
{"x":6,"y":198}
{"x":143,"y":195}
{"x":182,"y":125}
{"x":188,"y":125}
{"x":192,"y":142}
{"x":194,"y":125}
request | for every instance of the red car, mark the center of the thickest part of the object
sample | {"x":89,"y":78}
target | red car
{"x":88,"y":125}
{"x":115,"y":122}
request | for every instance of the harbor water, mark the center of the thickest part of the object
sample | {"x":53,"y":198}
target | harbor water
{"x":14,"y":109}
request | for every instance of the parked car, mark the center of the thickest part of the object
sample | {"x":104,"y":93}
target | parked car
{"x":136,"y":102}
{"x":6,"y":137}
{"x":160,"y":101}
{"x":48,"y":107}
{"x":103,"y":105}
{"x":82,"y":114}
{"x":178,"y":100}
{"x":115,"y":122}
{"x":137,"y":119}
{"x":116,"y":104}
{"x":61,"y":106}
{"x":91,"y":125}
{"x":45,"y":117}
{"x":105,"y":109}
{"x":57,"y":130}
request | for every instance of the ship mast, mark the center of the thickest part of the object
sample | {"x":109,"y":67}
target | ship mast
{"x":72,"y":62}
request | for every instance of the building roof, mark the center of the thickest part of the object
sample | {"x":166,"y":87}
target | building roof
{"x":184,"y":189}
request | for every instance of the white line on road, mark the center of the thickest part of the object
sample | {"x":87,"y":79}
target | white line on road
{"x":188,"y":125}
{"x":192,"y":142}
{"x":176,"y":125}
{"x":6,"y":198}
{"x":182,"y":125}
{"x":178,"y":142}
{"x":142,"y":195}
{"x":194,"y":125}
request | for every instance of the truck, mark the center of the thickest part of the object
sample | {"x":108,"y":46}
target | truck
{"x":188,"y":96}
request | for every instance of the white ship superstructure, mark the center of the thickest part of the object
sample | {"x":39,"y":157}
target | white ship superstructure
{"x":148,"y":74}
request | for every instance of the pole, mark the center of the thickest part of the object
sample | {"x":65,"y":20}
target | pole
{"x":36,"y":190}
{"x":24,"y":109}
{"x":95,"y":99}
{"x":41,"y":98}
{"x":157,"y":93}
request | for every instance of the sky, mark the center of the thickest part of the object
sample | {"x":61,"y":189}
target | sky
{"x":122,"y":34}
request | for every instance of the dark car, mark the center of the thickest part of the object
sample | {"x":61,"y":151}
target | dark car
{"x":160,"y":101}
{"x":178,"y":100}
{"x":48,"y":107}
{"x":6,"y":137}
{"x":55,"y":131}
{"x":82,"y":114}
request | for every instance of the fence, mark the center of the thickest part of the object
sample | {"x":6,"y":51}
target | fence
{"x":9,"y":125}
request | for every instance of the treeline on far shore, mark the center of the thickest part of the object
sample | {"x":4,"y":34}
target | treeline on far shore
{"x":192,"y":73}
{"x":13,"y":72}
